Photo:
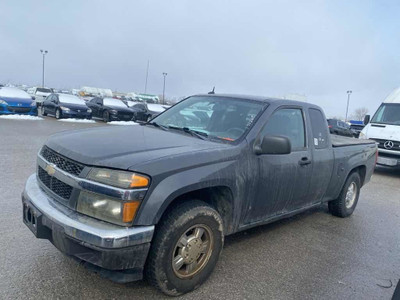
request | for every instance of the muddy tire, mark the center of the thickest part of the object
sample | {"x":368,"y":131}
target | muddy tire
{"x":347,"y":201}
{"x":185,"y":249}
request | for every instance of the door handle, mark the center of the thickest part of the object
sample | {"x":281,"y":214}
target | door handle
{"x":304,"y":161}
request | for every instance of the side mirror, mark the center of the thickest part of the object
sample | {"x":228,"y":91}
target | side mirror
{"x":273,"y":145}
{"x":367,"y":118}
{"x":33,"y":97}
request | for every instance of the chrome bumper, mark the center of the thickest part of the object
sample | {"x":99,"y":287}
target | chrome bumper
{"x":82,"y":228}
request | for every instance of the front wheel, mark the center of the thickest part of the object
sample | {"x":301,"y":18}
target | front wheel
{"x":185,"y":249}
{"x":43,"y":111}
{"x":106,"y":116}
{"x":58,"y":114}
{"x":346,"y":203}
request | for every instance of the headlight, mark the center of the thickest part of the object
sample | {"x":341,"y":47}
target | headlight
{"x":121,"y":179}
{"x":362,"y":136}
{"x":89,"y":110}
{"x":64,"y":108}
{"x":106,"y":208}
{"x":3,"y":102}
{"x":33,"y":103}
{"x":113,"y":111}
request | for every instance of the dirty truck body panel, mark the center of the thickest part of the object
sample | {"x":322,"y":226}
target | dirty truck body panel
{"x":257,"y":188}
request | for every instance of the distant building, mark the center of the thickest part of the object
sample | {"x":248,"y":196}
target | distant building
{"x":93,"y":91}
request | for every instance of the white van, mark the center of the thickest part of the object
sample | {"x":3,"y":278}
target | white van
{"x":384,"y":128}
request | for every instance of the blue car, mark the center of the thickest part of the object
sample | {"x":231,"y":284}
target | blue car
{"x":65,"y":106}
{"x":16,"y":101}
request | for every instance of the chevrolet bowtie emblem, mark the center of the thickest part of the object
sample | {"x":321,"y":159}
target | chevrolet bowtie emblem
{"x":50,"y":169}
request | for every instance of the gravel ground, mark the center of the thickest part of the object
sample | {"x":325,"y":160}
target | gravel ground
{"x":310,"y":256}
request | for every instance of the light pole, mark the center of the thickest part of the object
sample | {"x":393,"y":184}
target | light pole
{"x":163,"y":93}
{"x":147,"y":75}
{"x":44,"y":52}
{"x":348,"y":101}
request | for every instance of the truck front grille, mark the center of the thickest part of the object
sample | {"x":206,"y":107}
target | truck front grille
{"x":56,"y":186}
{"x":388,"y":144}
{"x":61,"y":162}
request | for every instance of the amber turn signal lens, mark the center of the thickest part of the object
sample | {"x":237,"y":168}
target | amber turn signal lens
{"x":139,"y":181}
{"x":129,"y":211}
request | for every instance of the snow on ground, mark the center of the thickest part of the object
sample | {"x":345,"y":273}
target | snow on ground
{"x":122,"y":123}
{"x":21,"y":117}
{"x":77,"y":120}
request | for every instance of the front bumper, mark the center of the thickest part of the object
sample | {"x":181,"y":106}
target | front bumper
{"x":16,"y":110}
{"x":387,"y":159}
{"x":121,"y":117}
{"x":102,"y":245}
{"x":75,"y":114}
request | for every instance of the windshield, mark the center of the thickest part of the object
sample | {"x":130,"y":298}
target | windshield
{"x":224,"y":118}
{"x":44,"y":90}
{"x":113,"y":102}
{"x":388,"y":113}
{"x":70,"y":99}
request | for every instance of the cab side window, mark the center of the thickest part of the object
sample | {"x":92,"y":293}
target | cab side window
{"x":319,"y":130}
{"x":288,"y":122}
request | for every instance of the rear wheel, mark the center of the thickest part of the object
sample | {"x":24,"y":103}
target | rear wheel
{"x":106,"y":116}
{"x":346,"y":203}
{"x":42,"y":111}
{"x":58,"y":114}
{"x":185,"y":249}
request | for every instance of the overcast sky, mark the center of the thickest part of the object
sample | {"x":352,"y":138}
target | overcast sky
{"x":317,"y":48}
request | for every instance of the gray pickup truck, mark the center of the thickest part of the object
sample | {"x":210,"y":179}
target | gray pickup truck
{"x":158,"y":198}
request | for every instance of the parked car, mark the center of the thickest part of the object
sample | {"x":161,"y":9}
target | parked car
{"x":339,"y":128}
{"x":356,"y":127}
{"x":16,"y":101}
{"x":145,"y":111}
{"x":384,"y":128}
{"x":163,"y":195}
{"x":39,"y":94}
{"x":110,"y":109}
{"x":65,"y":106}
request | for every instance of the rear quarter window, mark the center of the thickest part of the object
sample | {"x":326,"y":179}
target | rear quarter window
{"x":319,"y":129}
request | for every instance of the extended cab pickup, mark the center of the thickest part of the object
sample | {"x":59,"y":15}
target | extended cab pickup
{"x":158,"y":198}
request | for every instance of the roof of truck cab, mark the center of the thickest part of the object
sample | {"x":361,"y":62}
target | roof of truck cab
{"x":260,"y":99}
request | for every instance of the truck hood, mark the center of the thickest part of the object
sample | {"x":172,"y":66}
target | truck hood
{"x":124,"y":147}
{"x":388,"y":132}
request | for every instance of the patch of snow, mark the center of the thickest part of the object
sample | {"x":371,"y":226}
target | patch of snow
{"x":21,"y":117}
{"x":11,"y":92}
{"x":77,"y":120}
{"x":122,"y":123}
{"x":157,"y":107}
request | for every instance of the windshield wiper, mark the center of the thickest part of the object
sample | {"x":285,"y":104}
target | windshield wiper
{"x":198,"y":134}
{"x":155,"y":124}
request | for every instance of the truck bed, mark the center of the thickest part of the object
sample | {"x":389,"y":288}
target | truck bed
{"x":341,"y":141}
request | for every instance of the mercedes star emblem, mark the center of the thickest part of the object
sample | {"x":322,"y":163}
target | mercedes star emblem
{"x":388,"y":144}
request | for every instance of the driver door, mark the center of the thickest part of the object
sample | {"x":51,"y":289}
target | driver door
{"x":283,"y":179}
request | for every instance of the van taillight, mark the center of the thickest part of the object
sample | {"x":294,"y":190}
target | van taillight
{"x":329,"y":126}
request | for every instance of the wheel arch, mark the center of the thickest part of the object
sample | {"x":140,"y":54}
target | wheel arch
{"x":220,"y":197}
{"x":361,"y":170}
